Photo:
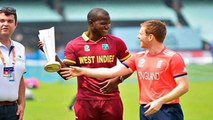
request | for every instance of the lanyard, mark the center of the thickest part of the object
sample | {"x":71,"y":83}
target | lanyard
{"x":14,"y":56}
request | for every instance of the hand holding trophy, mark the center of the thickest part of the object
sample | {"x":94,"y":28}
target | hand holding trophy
{"x":47,"y":37}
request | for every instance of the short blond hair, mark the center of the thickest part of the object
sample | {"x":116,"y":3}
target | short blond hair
{"x":155,"y":27}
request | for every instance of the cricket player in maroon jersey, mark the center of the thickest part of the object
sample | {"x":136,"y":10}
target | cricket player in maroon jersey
{"x":93,"y":49}
{"x":161,"y":72}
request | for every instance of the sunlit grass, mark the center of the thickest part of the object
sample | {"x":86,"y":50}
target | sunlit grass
{"x":52,"y":99}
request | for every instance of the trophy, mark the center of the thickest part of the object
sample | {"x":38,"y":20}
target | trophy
{"x":47,"y":37}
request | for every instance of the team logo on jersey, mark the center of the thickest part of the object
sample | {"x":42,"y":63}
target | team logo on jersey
{"x":159,"y":64}
{"x":141,"y":62}
{"x":105,"y":46}
{"x":86,"y":48}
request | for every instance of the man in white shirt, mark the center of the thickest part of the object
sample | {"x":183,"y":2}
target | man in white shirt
{"x":12,"y":68}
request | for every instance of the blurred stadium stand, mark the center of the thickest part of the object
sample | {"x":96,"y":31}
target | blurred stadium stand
{"x":198,"y":13}
{"x":69,"y":19}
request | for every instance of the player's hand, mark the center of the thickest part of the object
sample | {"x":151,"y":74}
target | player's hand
{"x":59,"y":72}
{"x":69,"y":72}
{"x":153,"y":107}
{"x":109,"y":85}
{"x":40,"y":46}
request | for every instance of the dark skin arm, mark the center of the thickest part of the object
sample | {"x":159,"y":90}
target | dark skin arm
{"x":63,"y":64}
{"x":111,"y":84}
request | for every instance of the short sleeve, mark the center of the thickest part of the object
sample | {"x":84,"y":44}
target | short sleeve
{"x":131,"y":63}
{"x":123,"y":52}
{"x":69,"y":52}
{"x":177,"y":65}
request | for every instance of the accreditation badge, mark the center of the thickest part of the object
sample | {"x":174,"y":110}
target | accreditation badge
{"x":8,"y":72}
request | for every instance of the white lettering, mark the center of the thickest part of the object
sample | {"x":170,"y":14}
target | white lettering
{"x":149,"y":75}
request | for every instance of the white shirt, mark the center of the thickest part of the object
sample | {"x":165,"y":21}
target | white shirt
{"x":9,"y":89}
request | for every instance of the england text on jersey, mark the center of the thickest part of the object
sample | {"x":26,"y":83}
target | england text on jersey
{"x":149,"y":75}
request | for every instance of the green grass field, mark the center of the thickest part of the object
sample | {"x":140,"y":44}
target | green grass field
{"x":52,"y":99}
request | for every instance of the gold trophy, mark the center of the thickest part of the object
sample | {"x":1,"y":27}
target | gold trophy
{"x":47,"y":37}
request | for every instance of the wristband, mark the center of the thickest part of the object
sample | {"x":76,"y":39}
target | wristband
{"x":121,"y":79}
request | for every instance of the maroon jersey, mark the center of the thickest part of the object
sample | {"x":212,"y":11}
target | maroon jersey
{"x":94,"y":54}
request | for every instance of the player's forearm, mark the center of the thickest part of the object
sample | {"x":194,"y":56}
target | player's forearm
{"x":98,"y":72}
{"x":62,"y":65}
{"x":95,"y":72}
{"x":122,"y":78}
{"x":177,"y":92}
{"x":59,"y":60}
{"x":116,"y":71}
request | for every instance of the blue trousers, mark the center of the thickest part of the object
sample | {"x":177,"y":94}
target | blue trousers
{"x":8,"y":112}
{"x":167,"y":112}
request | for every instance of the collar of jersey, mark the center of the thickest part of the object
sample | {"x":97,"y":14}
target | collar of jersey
{"x":86,"y":38}
{"x":147,"y":52}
